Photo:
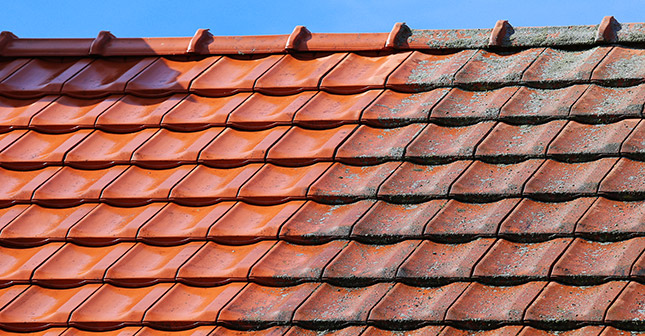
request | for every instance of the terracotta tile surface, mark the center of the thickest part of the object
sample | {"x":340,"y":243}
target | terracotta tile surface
{"x":368,"y":146}
{"x":195,"y":113}
{"x":357,"y":73}
{"x":421,"y":71}
{"x":165,"y":76}
{"x":296,"y":73}
{"x":339,"y":306}
{"x":393,"y":108}
{"x":417,"y":182}
{"x":327,"y":110}
{"x":231,"y":75}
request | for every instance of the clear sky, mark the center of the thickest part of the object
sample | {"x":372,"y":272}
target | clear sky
{"x":151,"y":18}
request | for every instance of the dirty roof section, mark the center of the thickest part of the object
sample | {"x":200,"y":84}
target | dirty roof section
{"x":416,"y":182}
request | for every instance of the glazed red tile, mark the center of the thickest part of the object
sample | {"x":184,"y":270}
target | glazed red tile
{"x":362,"y":263}
{"x":595,"y":261}
{"x":10,"y":66}
{"x":535,"y":219}
{"x":357,"y":73}
{"x":274,"y":184}
{"x":482,"y":305}
{"x":528,"y":104}
{"x":71,"y":186}
{"x":164,"y":77}
{"x":423,"y":71}
{"x":433,"y":263}
{"x":490,"y":69}
{"x":106,"y":224}
{"x":368,"y":146}
{"x":38,"y":225}
{"x":625,"y":180}
{"x":132,"y":113}
{"x":428,"y":330}
{"x":145,"y":264}
{"x":272,"y":331}
{"x":564,"y":66}
{"x":600,"y":103}
{"x":493,"y":181}
{"x":438,"y":144}
{"x":186,"y":307}
{"x":195,"y":113}
{"x":559,"y":180}
{"x":8,"y":294}
{"x":511,"y":143}
{"x":413,"y":306}
{"x":138,"y":186}
{"x":627,"y":311}
{"x":38,"y":308}
{"x":621,"y":67}
{"x":216,"y":264}
{"x":338,"y":306}
{"x":459,"y":106}
{"x":246,"y":223}
{"x":102,"y":149}
{"x":503,"y":331}
{"x":508,"y":262}
{"x":41,"y":76}
{"x":300,"y":146}
{"x":35,"y":150}
{"x":318,"y":223}
{"x":289,"y":264}
{"x":17,"y":264}
{"x":458,"y":221}
{"x":413,"y":182}
{"x":230,"y":75}
{"x":348,"y":331}
{"x":562,"y":305}
{"x":584,"y":331}
{"x":634,"y":145}
{"x":327,"y":110}
{"x":206,"y":185}
{"x":608,"y":218}
{"x":6,"y":139}
{"x":168,"y":149}
{"x":233,"y":148}
{"x":10,"y":213}
{"x":582,"y":141}
{"x":198,"y":331}
{"x":126,"y":331}
{"x":262,"y":112}
{"x":297,"y":72}
{"x":105,"y":76}
{"x":75,"y":265}
{"x":393,"y":108}
{"x":17,"y":113}
{"x":113,"y":307}
{"x":68,"y":114}
{"x":257,"y":305}
{"x":386,"y":222}
{"x":177,"y":224}
{"x":343,"y":183}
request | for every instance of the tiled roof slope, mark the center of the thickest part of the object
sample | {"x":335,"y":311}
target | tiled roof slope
{"x":487,"y":182}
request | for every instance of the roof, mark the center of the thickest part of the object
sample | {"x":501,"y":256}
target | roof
{"x":418,"y":182}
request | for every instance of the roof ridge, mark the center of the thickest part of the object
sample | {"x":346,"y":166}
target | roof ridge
{"x":401,"y":37}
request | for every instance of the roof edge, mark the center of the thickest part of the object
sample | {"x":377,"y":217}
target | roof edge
{"x":401,"y":37}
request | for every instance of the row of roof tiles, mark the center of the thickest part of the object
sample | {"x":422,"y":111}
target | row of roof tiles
{"x":350,"y":144}
{"x":572,"y":261}
{"x":326,"y":182}
{"x":335,"y":73}
{"x":313,"y":305}
{"x":349,"y":331}
{"x":377,"y":108}
{"x":301,"y":39}
{"x":313,"y":223}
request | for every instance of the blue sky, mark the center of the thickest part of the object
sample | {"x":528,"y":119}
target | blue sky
{"x":148,"y":18}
